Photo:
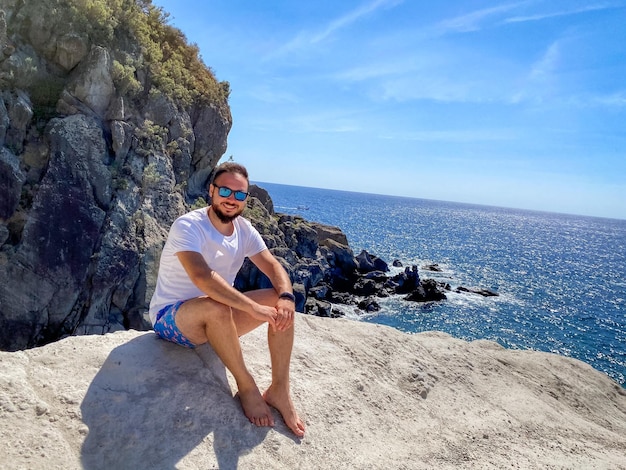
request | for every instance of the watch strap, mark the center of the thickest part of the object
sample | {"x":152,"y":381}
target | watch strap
{"x":288,"y":295}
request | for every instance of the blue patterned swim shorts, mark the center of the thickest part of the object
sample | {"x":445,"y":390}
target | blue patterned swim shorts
{"x":165,"y":326}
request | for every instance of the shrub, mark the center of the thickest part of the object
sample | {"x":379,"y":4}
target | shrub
{"x":151,"y":175}
{"x":199,"y":203}
{"x":124,"y":78}
{"x":173,"y":65}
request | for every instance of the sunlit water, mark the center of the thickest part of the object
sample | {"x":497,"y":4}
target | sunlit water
{"x":560,"y":277}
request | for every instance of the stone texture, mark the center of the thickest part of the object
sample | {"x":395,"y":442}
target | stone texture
{"x":71,"y":50}
{"x":371,"y":397}
{"x":92,"y":83}
{"x":11,"y":180}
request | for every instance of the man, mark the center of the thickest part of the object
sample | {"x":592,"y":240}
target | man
{"x":195,"y":302}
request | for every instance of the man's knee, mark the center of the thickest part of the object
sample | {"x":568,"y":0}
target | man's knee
{"x":219,"y":313}
{"x":204,"y":311}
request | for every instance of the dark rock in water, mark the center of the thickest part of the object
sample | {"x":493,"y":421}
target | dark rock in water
{"x":428,"y":291}
{"x":338,"y":312}
{"x":367,"y":262}
{"x":342,"y":298}
{"x":397,"y":263}
{"x":339,"y":256}
{"x":376,"y":276}
{"x":369,"y":305}
{"x":432,"y":267}
{"x":321,"y":308}
{"x":366,"y":287}
{"x":318,"y":308}
{"x":320,"y":292}
{"x":477,"y":290}
{"x":407,"y":281}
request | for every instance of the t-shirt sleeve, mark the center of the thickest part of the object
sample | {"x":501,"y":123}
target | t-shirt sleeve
{"x":255,"y":243}
{"x":184,"y":236}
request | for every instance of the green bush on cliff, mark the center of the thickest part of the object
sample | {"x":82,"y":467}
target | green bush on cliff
{"x":173,"y":66}
{"x":124,"y":77}
{"x":150,"y":136}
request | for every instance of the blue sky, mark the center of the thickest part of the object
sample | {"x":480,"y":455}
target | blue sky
{"x":516,"y":104}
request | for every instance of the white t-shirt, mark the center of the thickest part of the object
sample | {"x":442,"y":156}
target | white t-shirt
{"x":194,"y":231}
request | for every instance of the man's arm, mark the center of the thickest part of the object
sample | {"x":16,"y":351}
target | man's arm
{"x":279,"y":278}
{"x":270,"y":266}
{"x":215,"y":287}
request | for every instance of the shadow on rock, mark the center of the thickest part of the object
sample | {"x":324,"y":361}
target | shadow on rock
{"x":153,"y":403}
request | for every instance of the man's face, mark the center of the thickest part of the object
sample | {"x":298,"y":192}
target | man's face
{"x":228,"y":208}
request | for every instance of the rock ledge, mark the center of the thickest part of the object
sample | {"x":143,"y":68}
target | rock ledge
{"x":372,"y":397}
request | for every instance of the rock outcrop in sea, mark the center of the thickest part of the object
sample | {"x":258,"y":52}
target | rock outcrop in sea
{"x":329,"y":279}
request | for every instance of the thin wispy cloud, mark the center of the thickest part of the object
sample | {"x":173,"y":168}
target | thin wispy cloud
{"x":615,"y":100}
{"x":307,"y":38}
{"x":272,"y":94}
{"x":322,"y":125}
{"x":434,"y":76}
{"x":541,"y":82}
{"x":352,"y":17}
{"x":555,"y":14}
{"x":376,"y":70}
{"x":495,"y":16}
{"x":475,"y":20}
{"x":546,"y":66}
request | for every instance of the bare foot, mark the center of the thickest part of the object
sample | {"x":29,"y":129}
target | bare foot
{"x":281,"y":400}
{"x":255,"y":408}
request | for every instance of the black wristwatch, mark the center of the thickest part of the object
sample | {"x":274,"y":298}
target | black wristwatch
{"x":288,"y":295}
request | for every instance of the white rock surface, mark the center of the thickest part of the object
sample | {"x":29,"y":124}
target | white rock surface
{"x":372,"y":398}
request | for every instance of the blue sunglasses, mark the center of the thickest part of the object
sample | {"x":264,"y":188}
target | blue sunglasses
{"x":224,"y":191}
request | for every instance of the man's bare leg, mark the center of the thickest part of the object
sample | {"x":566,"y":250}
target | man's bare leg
{"x":203,"y":320}
{"x":280,"y":345}
{"x":278,"y":394}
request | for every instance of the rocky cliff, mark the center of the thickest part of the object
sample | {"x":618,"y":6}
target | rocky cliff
{"x":98,"y":155}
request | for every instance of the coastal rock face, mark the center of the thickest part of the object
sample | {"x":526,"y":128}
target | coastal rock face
{"x":96,"y":158}
{"x":371,"y":396}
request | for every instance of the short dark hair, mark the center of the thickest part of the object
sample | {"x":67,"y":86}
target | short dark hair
{"x":230,"y":167}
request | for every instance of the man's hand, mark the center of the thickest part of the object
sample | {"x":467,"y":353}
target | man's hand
{"x":279,"y":278}
{"x":266,"y":314}
{"x":286,"y":311}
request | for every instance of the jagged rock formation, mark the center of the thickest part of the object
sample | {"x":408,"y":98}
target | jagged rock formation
{"x":97,"y":158}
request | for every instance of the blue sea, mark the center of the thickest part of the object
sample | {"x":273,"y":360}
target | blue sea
{"x":560,"y":278}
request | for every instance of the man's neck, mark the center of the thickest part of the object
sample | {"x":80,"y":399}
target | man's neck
{"x":225,"y":228}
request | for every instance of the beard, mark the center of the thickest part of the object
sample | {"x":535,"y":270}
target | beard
{"x":225,"y":218}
